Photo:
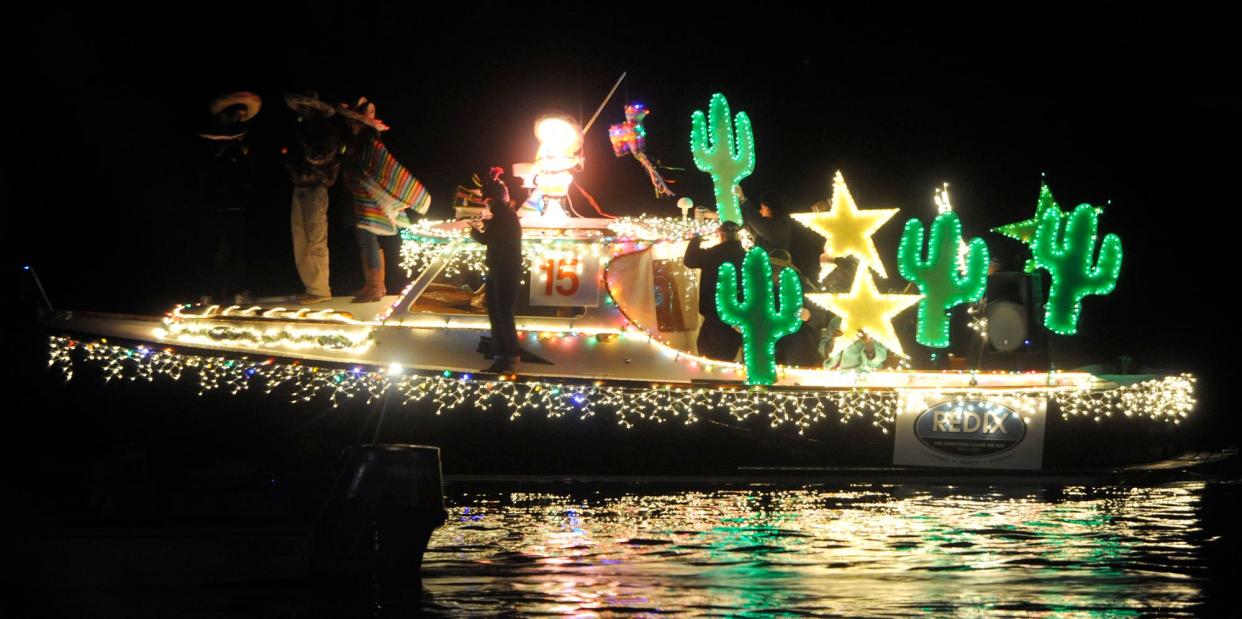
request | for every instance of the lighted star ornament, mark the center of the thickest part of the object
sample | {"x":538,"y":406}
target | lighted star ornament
{"x":863,"y":307}
{"x":1025,"y":230}
{"x":847,"y":229}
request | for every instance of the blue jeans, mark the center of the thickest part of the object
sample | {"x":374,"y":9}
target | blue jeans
{"x":368,"y":242}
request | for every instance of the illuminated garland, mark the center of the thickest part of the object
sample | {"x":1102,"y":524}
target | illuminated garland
{"x":187,"y":311}
{"x":647,"y":228}
{"x":1168,"y":399}
{"x":1065,"y":247}
{"x":295,"y":338}
{"x":621,"y":229}
{"x":417,"y":254}
{"x":756,"y":315}
{"x":727,"y":159}
{"x":943,"y":284}
{"x":419,"y":248}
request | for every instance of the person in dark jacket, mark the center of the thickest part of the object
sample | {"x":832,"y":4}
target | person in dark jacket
{"x":769,"y":225}
{"x":502,"y":234}
{"x":800,"y":348}
{"x":226,"y":188}
{"x":717,"y":340}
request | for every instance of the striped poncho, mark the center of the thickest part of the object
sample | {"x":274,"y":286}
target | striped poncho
{"x":382,"y":189}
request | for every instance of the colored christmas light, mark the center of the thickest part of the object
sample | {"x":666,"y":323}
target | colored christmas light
{"x":756,"y":314}
{"x":846,"y":229}
{"x":1167,"y":399}
{"x":1064,"y":245}
{"x":943,"y":284}
{"x":864,"y":309}
{"x":727,"y":156}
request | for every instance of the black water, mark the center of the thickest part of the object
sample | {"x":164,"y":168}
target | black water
{"x":876,"y":550}
{"x":711,"y":548}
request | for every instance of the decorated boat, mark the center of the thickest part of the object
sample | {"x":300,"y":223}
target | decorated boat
{"x":608,"y":319}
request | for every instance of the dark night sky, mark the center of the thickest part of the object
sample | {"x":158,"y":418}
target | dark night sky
{"x":1112,"y":102}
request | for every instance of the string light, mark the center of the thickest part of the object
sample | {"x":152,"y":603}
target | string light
{"x":943,"y":284}
{"x":1166,"y":399}
{"x":756,"y":314}
{"x":1065,"y":247}
{"x":726,"y":156}
{"x":424,"y":243}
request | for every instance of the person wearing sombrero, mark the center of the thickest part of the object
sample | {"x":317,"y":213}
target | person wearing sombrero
{"x":313,"y":163}
{"x":382,"y":191}
{"x":226,"y":184}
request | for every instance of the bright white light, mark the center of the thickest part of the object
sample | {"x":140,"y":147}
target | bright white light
{"x":558,"y":136}
{"x":395,"y":369}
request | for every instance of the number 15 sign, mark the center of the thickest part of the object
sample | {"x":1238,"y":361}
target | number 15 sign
{"x":565,"y":281}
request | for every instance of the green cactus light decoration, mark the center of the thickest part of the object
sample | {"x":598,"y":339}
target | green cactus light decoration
{"x":1064,"y":245}
{"x":939,"y":277}
{"x":727,"y":159}
{"x":761,"y":324}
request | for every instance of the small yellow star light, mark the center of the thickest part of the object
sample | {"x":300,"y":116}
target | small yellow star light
{"x":847,"y":229}
{"x":863,"y":307}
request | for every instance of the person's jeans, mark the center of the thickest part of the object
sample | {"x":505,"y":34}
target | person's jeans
{"x":310,"y":238}
{"x":368,"y":242}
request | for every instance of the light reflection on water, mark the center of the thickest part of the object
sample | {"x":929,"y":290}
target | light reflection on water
{"x":590,"y":550}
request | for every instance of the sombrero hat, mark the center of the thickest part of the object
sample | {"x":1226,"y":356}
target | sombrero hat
{"x":362,"y":112}
{"x":229,"y":115}
{"x":309,"y":105}
{"x":249,"y":101}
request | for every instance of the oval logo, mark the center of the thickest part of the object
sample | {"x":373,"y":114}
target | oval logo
{"x":969,"y":428}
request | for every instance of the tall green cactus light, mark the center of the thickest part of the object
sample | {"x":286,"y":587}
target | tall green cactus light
{"x":718,"y":153}
{"x":761,"y":324}
{"x":1064,"y":245}
{"x":939,"y":278}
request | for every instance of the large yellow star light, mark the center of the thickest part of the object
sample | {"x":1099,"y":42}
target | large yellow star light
{"x":847,"y":229}
{"x":864,"y":308}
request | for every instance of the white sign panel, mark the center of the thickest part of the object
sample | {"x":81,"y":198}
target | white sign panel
{"x":565,"y":281}
{"x":974,"y":431}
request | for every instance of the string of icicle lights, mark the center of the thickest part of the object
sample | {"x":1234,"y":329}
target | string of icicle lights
{"x":422,"y":244}
{"x":1167,"y":399}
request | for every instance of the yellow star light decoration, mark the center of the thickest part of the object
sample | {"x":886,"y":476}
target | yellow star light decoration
{"x":864,"y":308}
{"x":847,"y":229}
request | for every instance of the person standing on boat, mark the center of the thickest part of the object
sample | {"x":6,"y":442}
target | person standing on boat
{"x":226,"y":187}
{"x":382,"y":192}
{"x":800,"y":348}
{"x":313,"y":164}
{"x":768,"y":225}
{"x":716,"y":340}
{"x":502,"y":234}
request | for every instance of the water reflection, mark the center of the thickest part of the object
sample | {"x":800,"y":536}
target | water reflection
{"x":867,"y":549}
